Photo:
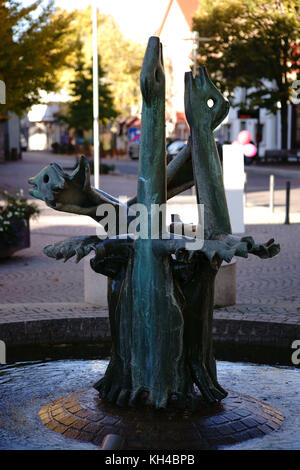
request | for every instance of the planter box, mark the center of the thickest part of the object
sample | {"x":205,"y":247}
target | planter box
{"x":7,"y":249}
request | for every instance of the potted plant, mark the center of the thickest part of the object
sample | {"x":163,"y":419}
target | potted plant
{"x":15,"y":213}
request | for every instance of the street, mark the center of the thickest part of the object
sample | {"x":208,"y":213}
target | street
{"x":14,"y":175}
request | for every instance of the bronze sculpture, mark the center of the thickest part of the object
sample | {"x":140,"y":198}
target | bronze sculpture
{"x":160,"y":293}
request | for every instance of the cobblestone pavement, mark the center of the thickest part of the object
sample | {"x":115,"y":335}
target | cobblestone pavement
{"x":29,"y":276}
{"x":14,"y":312}
{"x":82,"y":416}
{"x":276,"y":281}
{"x":263,"y":286}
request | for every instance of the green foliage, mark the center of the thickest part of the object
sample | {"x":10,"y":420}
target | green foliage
{"x":80,"y":109}
{"x":252,"y":42}
{"x":120,"y":58}
{"x":123,"y":61}
{"x":35,"y":44}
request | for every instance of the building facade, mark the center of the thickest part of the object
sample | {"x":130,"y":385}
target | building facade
{"x":177,"y":39}
{"x":10,"y":136}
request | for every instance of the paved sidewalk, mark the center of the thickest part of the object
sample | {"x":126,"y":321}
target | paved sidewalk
{"x":30,"y":277}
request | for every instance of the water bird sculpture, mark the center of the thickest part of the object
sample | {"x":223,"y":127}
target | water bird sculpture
{"x":161,"y":284}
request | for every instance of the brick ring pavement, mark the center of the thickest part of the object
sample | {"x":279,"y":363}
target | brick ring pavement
{"x":84,"y":416}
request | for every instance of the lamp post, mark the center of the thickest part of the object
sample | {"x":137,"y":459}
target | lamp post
{"x":196,"y":39}
{"x":95,"y":97}
{"x":195,"y":49}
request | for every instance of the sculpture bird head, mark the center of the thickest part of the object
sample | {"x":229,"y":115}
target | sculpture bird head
{"x":199,"y":90}
{"x":47,"y":182}
{"x":53,"y":185}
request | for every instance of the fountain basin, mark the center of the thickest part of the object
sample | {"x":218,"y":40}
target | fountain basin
{"x":26,"y":387}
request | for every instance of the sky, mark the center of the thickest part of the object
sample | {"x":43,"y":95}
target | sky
{"x":137,"y":19}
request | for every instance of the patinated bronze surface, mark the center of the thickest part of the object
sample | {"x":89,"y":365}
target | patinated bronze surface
{"x":160,"y":293}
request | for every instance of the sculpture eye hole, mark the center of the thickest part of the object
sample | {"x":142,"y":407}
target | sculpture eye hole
{"x":210,"y":103}
{"x":46,"y":178}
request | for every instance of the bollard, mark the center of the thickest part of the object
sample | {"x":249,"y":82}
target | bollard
{"x":287,"y":206}
{"x":112,"y":442}
{"x":272,"y":193}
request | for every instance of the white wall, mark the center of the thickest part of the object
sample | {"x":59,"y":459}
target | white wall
{"x":37,"y":137}
{"x":271,"y":122}
{"x":234,"y":178}
{"x":176,"y":50}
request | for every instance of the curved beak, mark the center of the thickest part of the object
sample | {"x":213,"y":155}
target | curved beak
{"x":34,"y":192}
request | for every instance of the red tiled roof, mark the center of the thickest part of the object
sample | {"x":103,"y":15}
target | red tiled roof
{"x":188,"y":8}
{"x":133,"y":121}
{"x":180,"y":117}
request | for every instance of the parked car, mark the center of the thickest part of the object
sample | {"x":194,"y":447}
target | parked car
{"x":172,"y":149}
{"x":134,"y":150}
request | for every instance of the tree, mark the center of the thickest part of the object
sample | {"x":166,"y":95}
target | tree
{"x":121,"y":59}
{"x":34,"y":47}
{"x":80,"y":109}
{"x":255,"y":45}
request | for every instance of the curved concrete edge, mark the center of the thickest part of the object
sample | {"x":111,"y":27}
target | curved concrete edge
{"x":255,"y":339}
{"x":55,"y":331}
{"x":263,"y":340}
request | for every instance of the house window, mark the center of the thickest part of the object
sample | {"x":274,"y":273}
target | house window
{"x":259,"y":133}
{"x":227,"y":133}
